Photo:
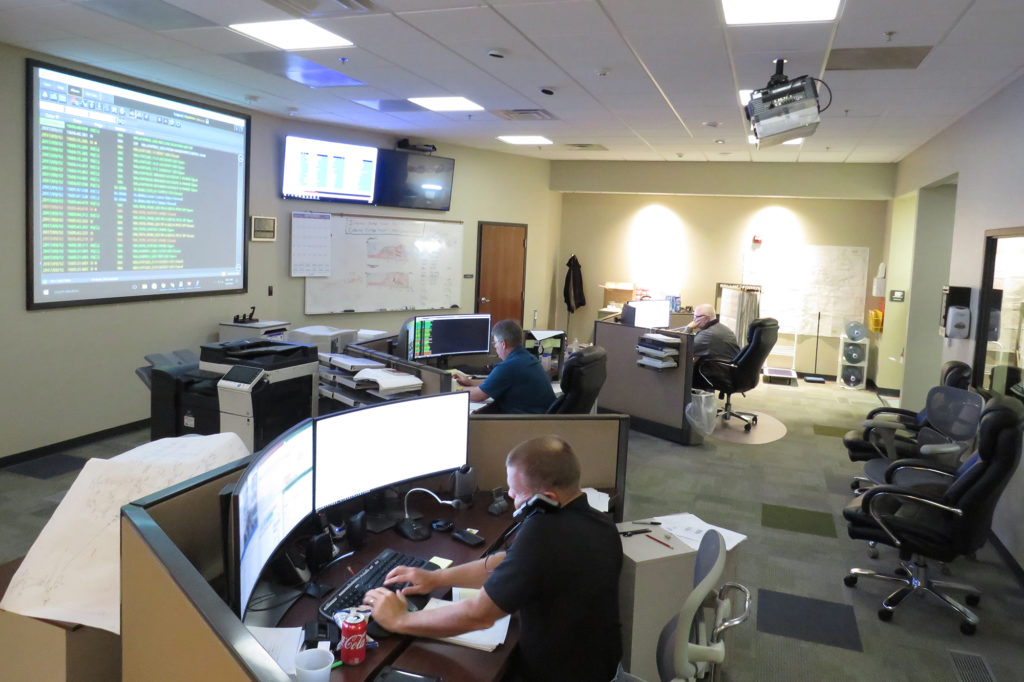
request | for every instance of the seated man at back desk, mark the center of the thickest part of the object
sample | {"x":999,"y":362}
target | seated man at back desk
{"x":713,"y":341}
{"x":561,"y":574}
{"x":518,"y":384}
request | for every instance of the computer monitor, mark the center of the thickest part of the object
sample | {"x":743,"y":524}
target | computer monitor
{"x":443,"y":335}
{"x":273,"y":496}
{"x":366,"y":449}
{"x":650,"y":314}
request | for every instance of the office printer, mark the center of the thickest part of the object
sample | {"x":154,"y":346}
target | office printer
{"x":277,"y":391}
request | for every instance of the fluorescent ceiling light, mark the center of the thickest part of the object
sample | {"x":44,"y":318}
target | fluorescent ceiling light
{"x":524,"y":139}
{"x":779,"y":12}
{"x":292,"y":34}
{"x":446,"y":103}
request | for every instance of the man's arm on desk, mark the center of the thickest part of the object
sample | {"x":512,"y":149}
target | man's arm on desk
{"x":390,"y":610}
{"x":475,"y":394}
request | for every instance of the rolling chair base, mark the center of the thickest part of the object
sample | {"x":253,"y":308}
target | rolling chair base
{"x":749,"y":419}
{"x":916,"y":580}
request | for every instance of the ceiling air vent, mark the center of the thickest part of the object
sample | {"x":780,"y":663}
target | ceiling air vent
{"x":587,"y":147}
{"x":313,"y":9}
{"x":524,"y":114}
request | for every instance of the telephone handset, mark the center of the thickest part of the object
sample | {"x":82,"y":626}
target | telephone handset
{"x":537,"y":503}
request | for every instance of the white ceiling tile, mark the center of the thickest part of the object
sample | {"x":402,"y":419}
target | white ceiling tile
{"x":226,"y":12}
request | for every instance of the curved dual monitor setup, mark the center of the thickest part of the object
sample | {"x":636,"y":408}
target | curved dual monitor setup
{"x":332,"y":459}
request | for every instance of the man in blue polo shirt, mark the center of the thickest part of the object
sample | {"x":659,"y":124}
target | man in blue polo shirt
{"x":518,"y":384}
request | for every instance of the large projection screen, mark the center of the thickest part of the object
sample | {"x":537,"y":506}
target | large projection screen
{"x":131,"y":194}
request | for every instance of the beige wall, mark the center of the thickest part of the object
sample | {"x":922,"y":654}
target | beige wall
{"x":70,"y":372}
{"x":899,"y":262}
{"x":984,"y":149}
{"x":713,"y":235}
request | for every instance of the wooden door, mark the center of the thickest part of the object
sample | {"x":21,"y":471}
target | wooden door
{"x":501,"y":270}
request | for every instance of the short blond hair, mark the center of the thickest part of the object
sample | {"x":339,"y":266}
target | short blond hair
{"x":546,"y":463}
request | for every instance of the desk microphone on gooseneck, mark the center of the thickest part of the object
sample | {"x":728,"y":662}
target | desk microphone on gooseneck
{"x":413,"y":529}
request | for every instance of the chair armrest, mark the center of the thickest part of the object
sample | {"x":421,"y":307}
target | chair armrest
{"x":870,"y":504}
{"x":940,"y":449}
{"x":884,"y":424}
{"x":894,"y":412}
{"x":732,"y":622}
{"x":917,"y":465}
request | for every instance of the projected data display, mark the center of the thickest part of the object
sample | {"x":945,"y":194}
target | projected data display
{"x":328,"y":171}
{"x":132,"y":195}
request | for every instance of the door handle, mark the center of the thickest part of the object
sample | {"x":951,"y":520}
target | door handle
{"x":484,"y":299}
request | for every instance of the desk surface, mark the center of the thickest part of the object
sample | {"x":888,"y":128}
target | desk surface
{"x":455,"y":663}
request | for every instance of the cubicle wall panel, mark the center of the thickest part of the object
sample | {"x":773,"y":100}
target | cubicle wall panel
{"x":600,"y":442}
{"x":166,"y":614}
{"x":657,"y":396}
{"x":186,"y":516}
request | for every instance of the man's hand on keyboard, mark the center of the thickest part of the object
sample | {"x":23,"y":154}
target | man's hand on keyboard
{"x":387,"y":607}
{"x":419,"y":581}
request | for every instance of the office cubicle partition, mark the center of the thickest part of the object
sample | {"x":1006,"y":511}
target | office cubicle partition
{"x":175,"y":625}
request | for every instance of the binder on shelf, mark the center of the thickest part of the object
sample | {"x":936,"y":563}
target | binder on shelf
{"x":349,"y":362}
{"x":657,"y":363}
{"x":389,"y":381}
{"x":657,"y":352}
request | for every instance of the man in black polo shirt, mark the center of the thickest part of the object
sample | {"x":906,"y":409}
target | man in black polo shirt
{"x":561,"y":574}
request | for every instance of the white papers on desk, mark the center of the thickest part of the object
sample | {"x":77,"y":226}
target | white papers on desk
{"x":597,"y":499}
{"x":484,"y":640}
{"x":662,"y":338}
{"x":281,"y":643}
{"x":311,"y":244}
{"x":541,"y":334}
{"x":389,"y":380}
{"x":349,"y":362}
{"x":691,"y":529}
{"x":73,"y":570}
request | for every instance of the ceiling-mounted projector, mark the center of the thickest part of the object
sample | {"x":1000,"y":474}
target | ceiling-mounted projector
{"x":785,"y":109}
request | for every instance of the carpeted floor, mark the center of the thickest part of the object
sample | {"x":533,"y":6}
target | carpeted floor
{"x":787,"y":497}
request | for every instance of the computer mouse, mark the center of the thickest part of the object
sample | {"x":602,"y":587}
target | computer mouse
{"x":442,"y":525}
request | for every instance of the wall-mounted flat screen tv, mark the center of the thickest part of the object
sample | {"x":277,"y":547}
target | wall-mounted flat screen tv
{"x":321,"y":170}
{"x":132,"y":194}
{"x":409,"y":180}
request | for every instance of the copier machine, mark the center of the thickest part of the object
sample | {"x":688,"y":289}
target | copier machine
{"x":267,"y":386}
{"x":257,"y":388}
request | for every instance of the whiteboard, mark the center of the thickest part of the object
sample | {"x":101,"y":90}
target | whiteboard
{"x":800,"y":281}
{"x":380,"y":263}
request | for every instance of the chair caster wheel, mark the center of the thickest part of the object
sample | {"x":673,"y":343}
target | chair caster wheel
{"x":854,"y":486}
{"x":901,"y":572}
{"x":746,"y":427}
{"x":849,"y":580}
{"x":968,"y":628}
{"x":754,"y":420}
{"x":884,"y":615}
{"x":873,"y":552}
{"x":973,"y":599}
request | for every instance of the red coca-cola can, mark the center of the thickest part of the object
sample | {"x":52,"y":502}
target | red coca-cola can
{"x":352,"y":650}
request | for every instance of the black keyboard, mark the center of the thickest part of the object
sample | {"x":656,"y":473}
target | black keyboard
{"x":372,"y":575}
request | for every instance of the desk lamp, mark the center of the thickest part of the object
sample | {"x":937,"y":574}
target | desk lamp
{"x":413,"y":529}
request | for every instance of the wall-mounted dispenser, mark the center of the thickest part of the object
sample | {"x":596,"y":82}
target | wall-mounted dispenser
{"x":955,"y":322}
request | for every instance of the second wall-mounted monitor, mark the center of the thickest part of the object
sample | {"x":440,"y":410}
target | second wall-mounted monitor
{"x":321,"y":170}
{"x":443,"y":335}
{"x":409,"y":180}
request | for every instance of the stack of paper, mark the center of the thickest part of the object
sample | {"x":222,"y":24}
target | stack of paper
{"x":657,"y":363}
{"x":389,"y":381}
{"x":349,"y":362}
{"x":484,"y":640}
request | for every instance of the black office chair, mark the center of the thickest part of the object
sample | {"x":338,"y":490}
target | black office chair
{"x":954,"y":522}
{"x":743,"y":372}
{"x":582,"y":378}
{"x":859,"y":443}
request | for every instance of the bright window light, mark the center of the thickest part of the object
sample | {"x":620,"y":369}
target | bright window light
{"x":779,"y":12}
{"x":446,"y":103}
{"x":292,"y":34}
{"x":524,"y":139}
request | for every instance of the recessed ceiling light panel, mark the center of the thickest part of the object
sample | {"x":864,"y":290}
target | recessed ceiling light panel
{"x":524,"y":139}
{"x":739,"y":12}
{"x":446,"y":103}
{"x":292,"y":34}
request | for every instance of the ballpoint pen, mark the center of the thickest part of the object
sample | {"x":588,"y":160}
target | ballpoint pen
{"x":660,"y":542}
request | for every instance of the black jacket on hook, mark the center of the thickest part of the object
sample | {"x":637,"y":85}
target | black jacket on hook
{"x":573,"y":289}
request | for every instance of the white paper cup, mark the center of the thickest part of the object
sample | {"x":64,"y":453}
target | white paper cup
{"x":313,"y":665}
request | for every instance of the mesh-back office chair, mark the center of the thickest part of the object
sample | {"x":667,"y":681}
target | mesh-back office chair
{"x":692,"y":653}
{"x":858,"y":443}
{"x":582,"y":378}
{"x":949,"y":433}
{"x":743,"y":372}
{"x":941,"y":526}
